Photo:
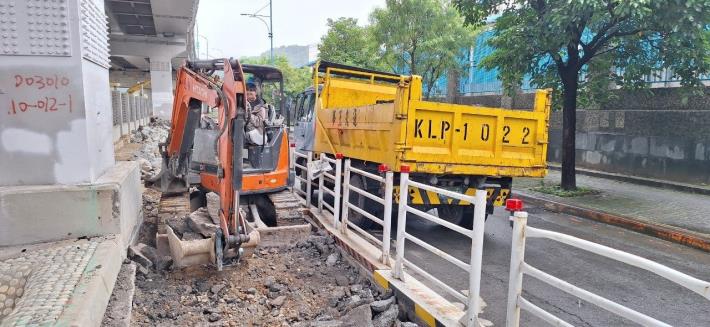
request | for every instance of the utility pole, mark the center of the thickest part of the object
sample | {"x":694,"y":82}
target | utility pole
{"x":269,"y":25}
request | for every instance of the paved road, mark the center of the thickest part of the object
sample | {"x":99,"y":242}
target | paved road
{"x":630,"y":286}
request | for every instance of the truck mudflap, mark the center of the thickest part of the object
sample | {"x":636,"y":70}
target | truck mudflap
{"x":496,"y":196}
{"x":498,"y":190}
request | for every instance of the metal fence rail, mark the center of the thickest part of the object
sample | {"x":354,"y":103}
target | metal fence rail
{"x":335,"y":192}
{"x":518,"y":267}
{"x":386,"y":202}
{"x":476,"y":235}
{"x":306,"y":182}
{"x":129,"y":113}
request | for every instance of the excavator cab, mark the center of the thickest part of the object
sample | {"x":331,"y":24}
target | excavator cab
{"x":262,"y":155}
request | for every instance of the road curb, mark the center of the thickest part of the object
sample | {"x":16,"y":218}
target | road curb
{"x":445,"y":313}
{"x":676,"y":186}
{"x":93,"y":291}
{"x":665,"y":232}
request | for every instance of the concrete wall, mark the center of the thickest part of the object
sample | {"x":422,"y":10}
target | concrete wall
{"x":56,"y":117}
{"x":665,"y":144}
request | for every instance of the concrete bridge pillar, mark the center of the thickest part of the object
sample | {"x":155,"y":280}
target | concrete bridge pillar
{"x":56,"y":118}
{"x":161,"y":84}
{"x":58,"y":178}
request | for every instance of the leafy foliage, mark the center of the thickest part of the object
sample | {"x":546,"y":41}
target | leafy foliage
{"x":603,"y":41}
{"x":559,"y":191}
{"x":348,"y":43}
{"x":550,"y":39}
{"x":422,"y":37}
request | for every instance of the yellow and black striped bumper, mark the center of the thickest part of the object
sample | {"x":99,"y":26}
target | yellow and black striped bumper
{"x":496,"y":196}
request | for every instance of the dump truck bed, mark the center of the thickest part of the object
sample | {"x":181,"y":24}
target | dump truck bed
{"x":381,"y":118}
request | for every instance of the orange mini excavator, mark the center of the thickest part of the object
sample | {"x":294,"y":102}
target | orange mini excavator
{"x":200,"y":155}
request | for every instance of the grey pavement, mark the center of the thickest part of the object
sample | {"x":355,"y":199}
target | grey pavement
{"x":657,"y":205}
{"x":630,"y":286}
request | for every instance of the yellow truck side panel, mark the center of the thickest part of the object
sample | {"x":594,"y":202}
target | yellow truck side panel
{"x":365,"y":133}
{"x":389,"y":123}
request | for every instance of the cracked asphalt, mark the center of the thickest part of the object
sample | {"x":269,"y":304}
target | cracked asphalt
{"x":635,"y":288}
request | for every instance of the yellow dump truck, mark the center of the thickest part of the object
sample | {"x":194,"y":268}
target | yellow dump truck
{"x":380,"y":118}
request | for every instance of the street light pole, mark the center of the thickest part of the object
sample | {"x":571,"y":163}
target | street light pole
{"x":269,"y":25}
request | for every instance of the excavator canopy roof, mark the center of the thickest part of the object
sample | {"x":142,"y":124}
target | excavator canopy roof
{"x":263,"y":73}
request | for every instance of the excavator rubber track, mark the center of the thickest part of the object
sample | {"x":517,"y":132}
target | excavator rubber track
{"x":288,"y":206}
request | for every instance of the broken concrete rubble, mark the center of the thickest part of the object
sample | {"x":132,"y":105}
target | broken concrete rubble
{"x":200,"y":222}
{"x":136,"y":254}
{"x":386,"y":318}
{"x":213,"y":206}
{"x":283,"y":286}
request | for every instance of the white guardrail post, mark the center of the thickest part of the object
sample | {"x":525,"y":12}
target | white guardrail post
{"x":518,"y":267}
{"x":474,"y":282}
{"x":346,"y":198}
{"x":320,"y":186}
{"x":517,"y":256}
{"x":387,"y":215}
{"x":293,"y":165}
{"x":336,"y":190}
{"x":309,"y":178}
{"x":401,"y":221}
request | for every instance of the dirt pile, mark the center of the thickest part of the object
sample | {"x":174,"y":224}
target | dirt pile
{"x":306,"y":285}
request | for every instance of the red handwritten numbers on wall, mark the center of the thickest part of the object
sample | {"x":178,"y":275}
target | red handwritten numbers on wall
{"x":46,"y":104}
{"x":61,"y":103}
{"x":41,"y":82}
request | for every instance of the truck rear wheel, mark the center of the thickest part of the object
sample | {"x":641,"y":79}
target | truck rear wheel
{"x":458,"y":214}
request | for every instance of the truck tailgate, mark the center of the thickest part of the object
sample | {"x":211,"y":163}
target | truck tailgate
{"x":442,"y":137}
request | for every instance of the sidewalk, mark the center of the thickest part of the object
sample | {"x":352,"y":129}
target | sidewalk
{"x":64,"y":283}
{"x":654,"y":206}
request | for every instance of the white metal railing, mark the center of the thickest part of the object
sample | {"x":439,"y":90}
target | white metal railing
{"x":476,"y":235}
{"x":306,"y":182}
{"x":518,"y":267}
{"x":335,"y":192}
{"x":386,"y":202}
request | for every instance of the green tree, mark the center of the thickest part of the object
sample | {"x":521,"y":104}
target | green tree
{"x":554,"y":41}
{"x":347,"y":43}
{"x":421,"y":37}
{"x":296,"y":80}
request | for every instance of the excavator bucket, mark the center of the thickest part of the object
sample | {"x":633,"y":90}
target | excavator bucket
{"x":190,"y":253}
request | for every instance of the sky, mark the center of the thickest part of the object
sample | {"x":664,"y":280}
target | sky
{"x":299,"y":22}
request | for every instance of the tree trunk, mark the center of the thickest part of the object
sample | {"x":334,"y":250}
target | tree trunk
{"x":570,"y":85}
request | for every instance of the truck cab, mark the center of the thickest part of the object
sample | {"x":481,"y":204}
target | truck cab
{"x":303,"y":113}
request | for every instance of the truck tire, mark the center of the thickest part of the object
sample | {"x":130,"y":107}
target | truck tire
{"x":459,"y":215}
